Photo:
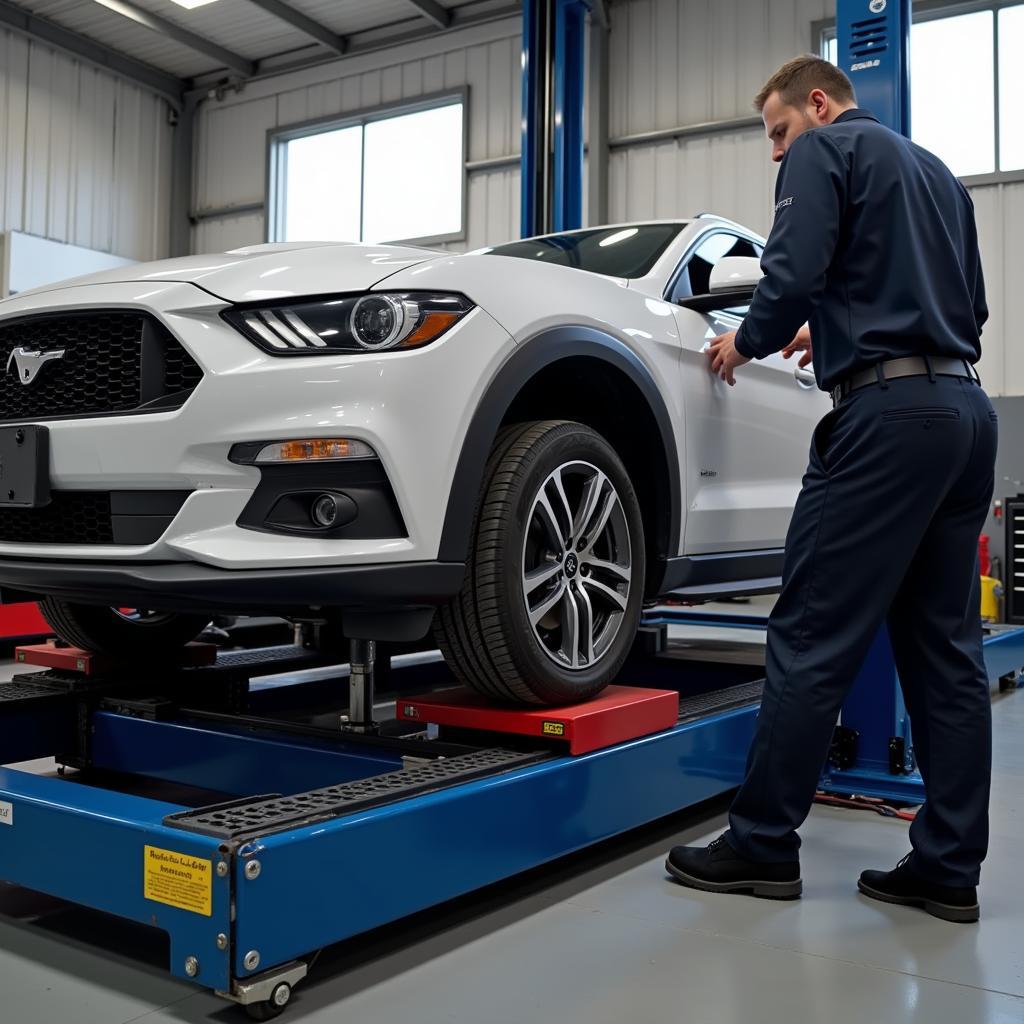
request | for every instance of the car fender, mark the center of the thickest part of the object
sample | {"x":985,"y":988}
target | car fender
{"x":522,"y":364}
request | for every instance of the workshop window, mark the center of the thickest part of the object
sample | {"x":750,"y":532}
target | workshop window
{"x":383,"y":177}
{"x":970,"y":120}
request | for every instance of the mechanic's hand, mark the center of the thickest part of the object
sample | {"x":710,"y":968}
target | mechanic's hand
{"x":724,"y":357}
{"x":801,"y":343}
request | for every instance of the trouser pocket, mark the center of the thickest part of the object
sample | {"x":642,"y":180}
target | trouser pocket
{"x":921,"y":413}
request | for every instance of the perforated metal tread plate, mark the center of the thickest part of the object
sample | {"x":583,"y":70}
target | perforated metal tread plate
{"x":266,"y":815}
{"x":41,"y":689}
{"x":271,"y":657}
{"x":705,"y":704}
{"x":17,"y":694}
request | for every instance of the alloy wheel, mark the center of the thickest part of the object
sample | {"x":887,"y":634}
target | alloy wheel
{"x":577,"y":569}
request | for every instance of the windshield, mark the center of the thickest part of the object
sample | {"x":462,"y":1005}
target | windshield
{"x":617,"y":252}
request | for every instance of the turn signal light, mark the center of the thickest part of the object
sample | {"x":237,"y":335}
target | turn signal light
{"x":318,"y":449}
{"x":432,"y":325}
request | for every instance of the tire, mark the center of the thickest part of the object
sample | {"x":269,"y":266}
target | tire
{"x":509,"y":636}
{"x":152,"y":635}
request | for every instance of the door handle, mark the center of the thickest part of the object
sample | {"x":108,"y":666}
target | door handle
{"x":805,"y":378}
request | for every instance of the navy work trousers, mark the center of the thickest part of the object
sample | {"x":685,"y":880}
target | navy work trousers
{"x":885,"y":530}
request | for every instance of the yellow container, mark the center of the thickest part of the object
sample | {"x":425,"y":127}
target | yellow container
{"x":991,"y":592}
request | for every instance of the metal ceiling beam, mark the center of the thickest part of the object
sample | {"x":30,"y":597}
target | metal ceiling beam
{"x":171,"y":30}
{"x":433,"y":11}
{"x":378,"y":39}
{"x":75,"y":45}
{"x":302,"y":23}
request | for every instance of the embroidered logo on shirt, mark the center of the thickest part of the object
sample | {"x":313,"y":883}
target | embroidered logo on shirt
{"x":784,"y":203}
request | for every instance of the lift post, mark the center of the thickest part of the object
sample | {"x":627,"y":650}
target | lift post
{"x":874,"y":50}
{"x":363,"y":655}
{"x":552,"y":135}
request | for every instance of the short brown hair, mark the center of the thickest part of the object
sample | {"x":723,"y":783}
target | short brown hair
{"x":797,"y":78}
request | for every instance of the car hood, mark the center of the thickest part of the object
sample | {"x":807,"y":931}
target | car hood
{"x":273,"y":271}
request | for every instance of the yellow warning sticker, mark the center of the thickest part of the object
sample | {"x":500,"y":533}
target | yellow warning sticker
{"x":179,"y":880}
{"x":553,"y":729}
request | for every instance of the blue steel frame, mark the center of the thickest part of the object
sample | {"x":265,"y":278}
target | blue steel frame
{"x":552,"y":178}
{"x":86,"y":845}
{"x":875,"y":707}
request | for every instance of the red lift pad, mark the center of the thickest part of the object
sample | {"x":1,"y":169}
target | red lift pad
{"x":89,"y":663}
{"x":22,"y":620}
{"x":619,"y":714}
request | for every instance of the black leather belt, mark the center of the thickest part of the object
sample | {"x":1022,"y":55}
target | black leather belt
{"x":908,"y":366}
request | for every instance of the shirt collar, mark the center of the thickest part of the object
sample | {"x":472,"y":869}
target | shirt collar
{"x":855,"y":114}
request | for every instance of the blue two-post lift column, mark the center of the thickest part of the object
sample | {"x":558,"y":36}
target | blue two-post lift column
{"x":874,"y":50}
{"x":552,"y":121}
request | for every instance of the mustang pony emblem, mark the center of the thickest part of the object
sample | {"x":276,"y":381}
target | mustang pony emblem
{"x":30,"y":363}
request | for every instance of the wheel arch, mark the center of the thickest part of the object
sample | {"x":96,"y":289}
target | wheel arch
{"x":615,"y":394}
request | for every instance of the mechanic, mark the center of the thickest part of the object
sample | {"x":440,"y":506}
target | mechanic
{"x":874,"y":243}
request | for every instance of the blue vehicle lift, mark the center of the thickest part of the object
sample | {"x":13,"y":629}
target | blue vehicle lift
{"x":254,"y":838}
{"x":257,"y":822}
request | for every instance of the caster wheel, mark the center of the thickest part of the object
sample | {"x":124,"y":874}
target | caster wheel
{"x":272,"y":1007}
{"x":1008,"y":682}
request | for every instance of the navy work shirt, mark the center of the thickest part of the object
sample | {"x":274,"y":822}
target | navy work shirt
{"x":874,"y":242}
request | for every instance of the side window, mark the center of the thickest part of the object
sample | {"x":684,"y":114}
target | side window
{"x":695,"y":277}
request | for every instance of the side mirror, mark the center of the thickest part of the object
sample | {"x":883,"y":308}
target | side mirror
{"x":732,"y":283}
{"x":735,"y":273}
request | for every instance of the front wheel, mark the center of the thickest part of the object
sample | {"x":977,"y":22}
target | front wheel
{"x":121,"y":634}
{"x":554,"y":585}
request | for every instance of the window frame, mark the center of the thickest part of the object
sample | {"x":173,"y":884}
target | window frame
{"x":935,"y":10}
{"x":277,"y":148}
{"x":695,"y":244}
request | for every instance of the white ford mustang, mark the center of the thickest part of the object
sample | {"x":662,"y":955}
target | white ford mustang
{"x":519,"y":445}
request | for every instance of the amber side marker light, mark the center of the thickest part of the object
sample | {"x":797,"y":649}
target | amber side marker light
{"x":433,"y":325}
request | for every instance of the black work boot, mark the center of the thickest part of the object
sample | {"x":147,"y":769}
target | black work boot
{"x":718,"y":868}
{"x":905,"y":887}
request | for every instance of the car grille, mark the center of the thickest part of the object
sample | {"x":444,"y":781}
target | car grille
{"x":115,"y":361}
{"x":93,"y":517}
{"x":72,"y":517}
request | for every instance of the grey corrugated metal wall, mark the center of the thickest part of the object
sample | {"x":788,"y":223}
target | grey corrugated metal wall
{"x":85,"y":156}
{"x":686,"y":62}
{"x":231,"y":141}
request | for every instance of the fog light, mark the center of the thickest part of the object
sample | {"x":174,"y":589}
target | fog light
{"x":325,"y":510}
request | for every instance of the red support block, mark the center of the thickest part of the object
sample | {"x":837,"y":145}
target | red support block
{"x":619,"y":714}
{"x":22,"y":619}
{"x":89,"y":663}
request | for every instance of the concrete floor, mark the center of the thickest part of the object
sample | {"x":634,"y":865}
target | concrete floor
{"x":600,"y":937}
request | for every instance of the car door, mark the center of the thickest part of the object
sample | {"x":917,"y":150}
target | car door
{"x":746,"y":446}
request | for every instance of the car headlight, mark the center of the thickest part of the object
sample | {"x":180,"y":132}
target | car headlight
{"x":374,"y":322}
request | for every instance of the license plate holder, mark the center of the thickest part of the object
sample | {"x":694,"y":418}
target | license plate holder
{"x":24,"y":466}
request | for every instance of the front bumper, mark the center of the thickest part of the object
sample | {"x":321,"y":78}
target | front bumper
{"x":185,"y":587}
{"x":413,"y":408}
